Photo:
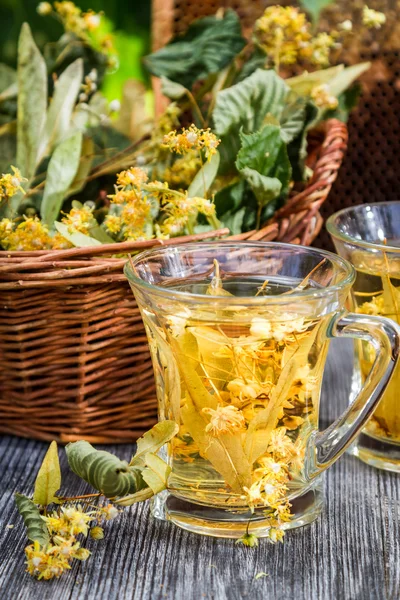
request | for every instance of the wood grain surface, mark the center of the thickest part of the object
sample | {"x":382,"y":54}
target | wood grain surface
{"x":352,"y":552}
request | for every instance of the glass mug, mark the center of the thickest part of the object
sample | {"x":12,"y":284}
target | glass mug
{"x":369,"y":237}
{"x":239,"y":334}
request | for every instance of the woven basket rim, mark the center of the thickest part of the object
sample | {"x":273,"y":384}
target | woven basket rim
{"x":298,"y":221}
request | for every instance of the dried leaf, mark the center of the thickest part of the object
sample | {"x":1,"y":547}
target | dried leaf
{"x":36,"y":527}
{"x":225,"y":453}
{"x":85,"y":165}
{"x":188,"y":358}
{"x":153,"y":440}
{"x":217,"y":369}
{"x":103,"y":470}
{"x":8,"y":77}
{"x":78,"y":239}
{"x":171,"y":372}
{"x":61,"y":172}
{"x":261,"y":427}
{"x":32,"y":101}
{"x":133,"y":120}
{"x":59,"y":114}
{"x":204,"y":179}
{"x":48,"y":480}
{"x":140,"y":496}
{"x":156,"y":473}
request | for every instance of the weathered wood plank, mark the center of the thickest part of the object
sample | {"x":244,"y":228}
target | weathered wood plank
{"x":351,"y":553}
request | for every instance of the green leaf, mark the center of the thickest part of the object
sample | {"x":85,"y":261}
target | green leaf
{"x":48,"y":480}
{"x":297,"y":149}
{"x":59,"y":114}
{"x":246,"y":104}
{"x":78,"y":239}
{"x":234,"y":221}
{"x":264,"y":163}
{"x":257,"y":60}
{"x":36,"y":527}
{"x":171,"y":89}
{"x":207,"y":47}
{"x":156,"y":473}
{"x":32,"y":101}
{"x":265,"y":188}
{"x":204,"y":178}
{"x":103,"y":470}
{"x":292,"y":118}
{"x":61,"y":172}
{"x":314,"y":7}
{"x":229,"y":198}
{"x":153,"y":440}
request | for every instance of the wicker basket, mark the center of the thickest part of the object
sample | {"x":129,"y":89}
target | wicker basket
{"x":73,"y":350}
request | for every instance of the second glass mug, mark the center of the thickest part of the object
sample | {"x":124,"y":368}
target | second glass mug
{"x":368,"y":236}
{"x":239,"y":334}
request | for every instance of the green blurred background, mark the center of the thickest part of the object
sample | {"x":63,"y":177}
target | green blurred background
{"x":130,"y":21}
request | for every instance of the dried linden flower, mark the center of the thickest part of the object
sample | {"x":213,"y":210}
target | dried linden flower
{"x":224,"y":419}
{"x":284,"y":34}
{"x":248,"y":539}
{"x":321,"y":46}
{"x":110,"y":512}
{"x":373,"y":19}
{"x":97,"y":533}
{"x":10,"y":184}
{"x":80,"y":219}
{"x":322,"y":97}
{"x":44,"y":8}
{"x":346,"y":25}
{"x":192,"y":139}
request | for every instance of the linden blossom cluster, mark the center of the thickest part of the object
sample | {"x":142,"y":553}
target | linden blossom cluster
{"x":47,"y":562}
{"x":139,"y":210}
{"x":285,"y":35}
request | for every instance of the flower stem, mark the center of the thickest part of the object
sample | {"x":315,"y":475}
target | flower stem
{"x":196,"y":108}
{"x":73,"y":498}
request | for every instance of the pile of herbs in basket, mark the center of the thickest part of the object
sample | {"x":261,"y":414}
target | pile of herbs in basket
{"x":228,"y":151}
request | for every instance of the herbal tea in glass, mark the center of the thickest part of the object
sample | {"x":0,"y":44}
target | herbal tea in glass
{"x":239,"y":336}
{"x":369,"y":236}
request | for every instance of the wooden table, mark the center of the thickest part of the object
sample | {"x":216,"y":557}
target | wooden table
{"x":351,"y":553}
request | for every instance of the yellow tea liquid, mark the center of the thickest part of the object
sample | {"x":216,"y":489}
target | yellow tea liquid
{"x":244,"y":386}
{"x":377,"y":292}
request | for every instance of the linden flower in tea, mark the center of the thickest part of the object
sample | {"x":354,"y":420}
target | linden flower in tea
{"x":242,"y":384}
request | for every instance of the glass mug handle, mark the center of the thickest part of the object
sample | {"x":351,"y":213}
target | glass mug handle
{"x":384,"y":335}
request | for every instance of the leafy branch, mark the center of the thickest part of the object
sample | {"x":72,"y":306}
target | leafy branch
{"x":54,"y":522}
